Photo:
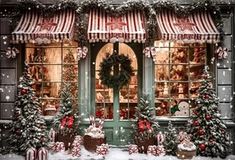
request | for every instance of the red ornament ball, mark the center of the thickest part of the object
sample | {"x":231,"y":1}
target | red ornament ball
{"x":206,"y":96}
{"x":24,"y":91}
{"x":201,"y":132}
{"x":208,"y":117}
{"x":196,"y":123}
{"x":202,"y":147}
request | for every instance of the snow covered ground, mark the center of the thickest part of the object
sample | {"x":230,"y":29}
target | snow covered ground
{"x":114,"y":154}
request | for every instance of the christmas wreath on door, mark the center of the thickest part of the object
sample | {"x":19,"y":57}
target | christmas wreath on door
{"x":122,"y":78}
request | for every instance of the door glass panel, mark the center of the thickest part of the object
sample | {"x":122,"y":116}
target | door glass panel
{"x":103,"y":95}
{"x":128,"y":96}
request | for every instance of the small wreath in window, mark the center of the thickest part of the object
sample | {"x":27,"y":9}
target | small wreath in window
{"x":115,"y":80}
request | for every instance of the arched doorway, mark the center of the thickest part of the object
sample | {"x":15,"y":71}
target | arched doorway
{"x":117,"y":107}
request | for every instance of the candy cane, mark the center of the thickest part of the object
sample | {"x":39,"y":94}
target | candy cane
{"x":42,"y":154}
{"x":160,"y":138}
{"x":52,"y":135}
{"x":31,"y":154}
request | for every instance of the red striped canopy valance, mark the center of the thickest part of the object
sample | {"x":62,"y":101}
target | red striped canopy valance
{"x":197,"y":27}
{"x":128,"y":27}
{"x":32,"y":26}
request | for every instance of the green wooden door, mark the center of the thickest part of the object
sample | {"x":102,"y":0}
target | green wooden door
{"x":116,"y":106}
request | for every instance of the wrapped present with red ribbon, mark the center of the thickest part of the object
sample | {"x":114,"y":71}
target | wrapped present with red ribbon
{"x":133,"y":148}
{"x":76,"y":151}
{"x":76,"y":144}
{"x":78,"y":139}
{"x":161,"y":150}
{"x":31,"y":154}
{"x":152,"y":150}
{"x":43,"y":154}
{"x":102,"y":150}
{"x":58,"y":147}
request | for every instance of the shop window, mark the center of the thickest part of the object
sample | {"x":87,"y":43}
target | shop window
{"x":178,"y":72}
{"x":51,"y":67}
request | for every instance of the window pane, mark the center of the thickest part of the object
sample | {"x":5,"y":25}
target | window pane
{"x":178,"y":72}
{"x":50,"y":66}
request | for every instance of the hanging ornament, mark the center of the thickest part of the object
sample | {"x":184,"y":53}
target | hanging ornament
{"x":11,"y":52}
{"x":222,"y":52}
{"x":149,"y":51}
{"x":82,"y":52}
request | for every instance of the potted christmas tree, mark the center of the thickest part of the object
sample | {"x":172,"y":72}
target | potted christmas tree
{"x":66,"y":122}
{"x":146,"y":127}
{"x":207,"y":129}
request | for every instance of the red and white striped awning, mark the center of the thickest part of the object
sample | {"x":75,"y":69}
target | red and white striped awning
{"x":198,"y":27}
{"x":32,"y":26}
{"x":128,"y":27}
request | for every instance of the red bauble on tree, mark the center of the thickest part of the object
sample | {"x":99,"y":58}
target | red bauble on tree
{"x":195,"y":123}
{"x":202,"y":147}
{"x":206,"y":96}
{"x":24,"y":91}
{"x":208,"y":117}
{"x":201,"y":131}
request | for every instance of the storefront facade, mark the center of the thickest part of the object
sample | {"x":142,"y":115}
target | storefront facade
{"x":169,"y":72}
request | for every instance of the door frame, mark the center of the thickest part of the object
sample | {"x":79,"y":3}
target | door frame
{"x":111,"y":125}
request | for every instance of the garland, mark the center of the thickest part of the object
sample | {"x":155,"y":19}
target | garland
{"x":113,"y":80}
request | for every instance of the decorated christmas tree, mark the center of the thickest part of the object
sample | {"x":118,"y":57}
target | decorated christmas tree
{"x":146,"y":127}
{"x":207,"y":129}
{"x":28,"y":127}
{"x":66,"y":122}
{"x":170,"y":142}
{"x":70,"y":75}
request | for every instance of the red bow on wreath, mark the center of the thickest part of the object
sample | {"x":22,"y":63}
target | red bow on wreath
{"x":144,"y":125}
{"x":67,"y":121}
